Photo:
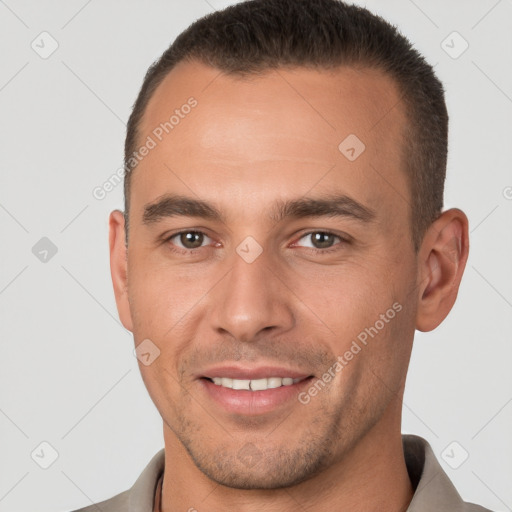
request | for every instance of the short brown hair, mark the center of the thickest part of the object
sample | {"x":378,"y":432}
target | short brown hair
{"x":258,"y":35}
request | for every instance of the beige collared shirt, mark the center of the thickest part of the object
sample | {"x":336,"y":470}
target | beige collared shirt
{"x":433,"y":489}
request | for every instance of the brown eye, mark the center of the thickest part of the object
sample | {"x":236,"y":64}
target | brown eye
{"x":189,"y":239}
{"x":320,"y":239}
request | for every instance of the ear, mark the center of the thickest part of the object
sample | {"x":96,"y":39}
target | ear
{"x":441,"y":262}
{"x":119,"y":267}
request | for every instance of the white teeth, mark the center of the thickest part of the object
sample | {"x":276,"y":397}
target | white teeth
{"x":227,"y":383}
{"x":275,"y":382}
{"x":241,"y":384}
{"x":258,"y":384}
{"x":254,"y":384}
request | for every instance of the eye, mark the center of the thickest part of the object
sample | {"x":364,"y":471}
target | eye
{"x":320,"y":241}
{"x":189,"y":239}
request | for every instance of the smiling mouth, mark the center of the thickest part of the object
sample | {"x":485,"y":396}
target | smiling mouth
{"x":254,"y":384}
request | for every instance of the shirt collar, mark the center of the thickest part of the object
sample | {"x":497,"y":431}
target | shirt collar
{"x":433,"y":488}
{"x":142,"y":493}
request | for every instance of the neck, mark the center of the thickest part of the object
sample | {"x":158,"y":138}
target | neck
{"x":372,"y":476}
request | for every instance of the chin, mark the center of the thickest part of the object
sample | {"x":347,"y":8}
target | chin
{"x":268,"y":468}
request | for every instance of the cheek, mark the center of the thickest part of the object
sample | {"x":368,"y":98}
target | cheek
{"x":347,"y":297}
{"x":161,"y":383}
{"x":365,"y":306}
{"x":162,"y":296}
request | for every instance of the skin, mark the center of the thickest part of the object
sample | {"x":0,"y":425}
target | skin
{"x":247,"y":144}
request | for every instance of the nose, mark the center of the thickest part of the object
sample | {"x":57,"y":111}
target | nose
{"x":251,"y":301}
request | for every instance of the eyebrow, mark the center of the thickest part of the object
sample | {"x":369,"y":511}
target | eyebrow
{"x":330,"y":205}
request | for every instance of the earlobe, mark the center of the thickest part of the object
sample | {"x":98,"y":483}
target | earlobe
{"x":119,"y":267}
{"x":442,"y":259}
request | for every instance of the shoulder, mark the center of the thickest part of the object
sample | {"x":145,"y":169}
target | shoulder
{"x":140,"y":497}
{"x":433,"y":488}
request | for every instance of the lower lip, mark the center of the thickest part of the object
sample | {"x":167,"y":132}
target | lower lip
{"x":252,"y":403}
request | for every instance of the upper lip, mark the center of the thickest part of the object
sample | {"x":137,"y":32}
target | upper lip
{"x":244,"y":373}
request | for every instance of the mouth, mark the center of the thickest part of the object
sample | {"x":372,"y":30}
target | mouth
{"x":252,"y":392}
{"x":254,"y":384}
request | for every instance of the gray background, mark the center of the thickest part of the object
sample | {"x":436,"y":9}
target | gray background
{"x":68,"y":373}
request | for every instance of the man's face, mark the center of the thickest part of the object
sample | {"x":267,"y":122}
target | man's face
{"x":250,"y":296}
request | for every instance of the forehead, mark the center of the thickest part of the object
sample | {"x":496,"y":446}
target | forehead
{"x":279,"y":133}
